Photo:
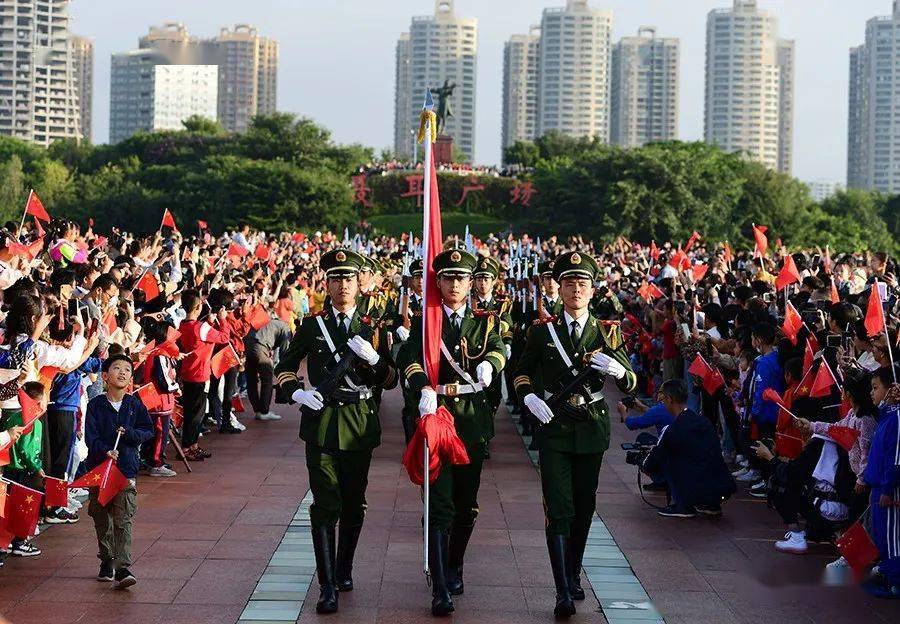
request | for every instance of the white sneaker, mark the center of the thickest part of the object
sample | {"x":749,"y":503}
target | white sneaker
{"x":236,"y":423}
{"x":740,"y":472}
{"x":751,"y":476}
{"x":268,"y":416}
{"x":838,"y":564}
{"x":793,"y":542}
{"x":78,"y":492}
{"x":162,"y":471}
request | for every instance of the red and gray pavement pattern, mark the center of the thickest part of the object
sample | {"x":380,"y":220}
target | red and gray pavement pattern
{"x":230,"y":542}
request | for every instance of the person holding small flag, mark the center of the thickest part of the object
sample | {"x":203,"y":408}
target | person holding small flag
{"x":159,"y":370}
{"x":116,"y":424}
{"x":340,"y":425}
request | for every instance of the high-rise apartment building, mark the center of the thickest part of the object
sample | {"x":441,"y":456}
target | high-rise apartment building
{"x":749,"y":85}
{"x":440,"y":48}
{"x":644,"y":89}
{"x":247,"y":67}
{"x":38,"y":89}
{"x":873,"y":146}
{"x":574,"y":64}
{"x":520,"y":87}
{"x":82,"y":51}
{"x":148,"y":94}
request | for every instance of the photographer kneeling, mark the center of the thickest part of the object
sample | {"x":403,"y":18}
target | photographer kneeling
{"x":689,"y":457}
{"x":658,"y":417}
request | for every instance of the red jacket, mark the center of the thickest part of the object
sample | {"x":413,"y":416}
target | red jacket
{"x":197,"y":340}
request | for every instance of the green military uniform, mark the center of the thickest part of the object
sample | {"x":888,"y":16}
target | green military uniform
{"x":341,"y":435}
{"x":453,"y":496}
{"x":572,"y":444}
{"x":410,"y":412}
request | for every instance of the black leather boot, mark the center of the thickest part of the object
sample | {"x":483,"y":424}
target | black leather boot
{"x":348,"y":537}
{"x":438,"y":544}
{"x":323,"y":545}
{"x":557,"y":545}
{"x":577,"y":543}
{"x":459,"y":540}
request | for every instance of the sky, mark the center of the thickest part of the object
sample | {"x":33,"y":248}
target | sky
{"x":336,"y":62}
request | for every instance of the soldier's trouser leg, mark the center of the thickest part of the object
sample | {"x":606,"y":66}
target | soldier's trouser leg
{"x":353,"y":475}
{"x":586,"y":469}
{"x":454,"y":495}
{"x":338,"y":481}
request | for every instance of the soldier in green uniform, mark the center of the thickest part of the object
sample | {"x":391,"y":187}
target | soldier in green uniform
{"x":573,"y":437}
{"x":342,"y":428}
{"x":410,"y":412}
{"x":473,"y":355}
{"x":372,"y":300}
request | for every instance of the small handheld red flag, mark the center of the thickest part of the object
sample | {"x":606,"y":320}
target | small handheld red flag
{"x":259,"y":317}
{"x":202,"y":225}
{"x":168,"y":220}
{"x":695,"y":236}
{"x":237,"y":404}
{"x":699,"y":271}
{"x":107,"y":477}
{"x":793,"y":323}
{"x":762,"y":243}
{"x":770,"y":394}
{"x":56,"y":492}
{"x":236,"y":250}
{"x":31,"y":410}
{"x":149,"y":286}
{"x":699,"y":367}
{"x":223,"y":361}
{"x":823,"y":382}
{"x":845,"y":437}
{"x":149,"y":396}
{"x":35,"y":208}
{"x":39,"y":228}
{"x":857,"y":548}
{"x":654,"y":250}
{"x":22,"y":511}
{"x":262,"y":252}
{"x":809,"y":357}
{"x":788,"y":274}
{"x":874,"y":313}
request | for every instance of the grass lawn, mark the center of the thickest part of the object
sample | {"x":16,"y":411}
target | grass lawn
{"x":452,"y":223}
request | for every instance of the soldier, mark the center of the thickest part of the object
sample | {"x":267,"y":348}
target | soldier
{"x":410,"y":413}
{"x":340,"y":429}
{"x":573,"y":437}
{"x":372,"y":300}
{"x":473,"y":355}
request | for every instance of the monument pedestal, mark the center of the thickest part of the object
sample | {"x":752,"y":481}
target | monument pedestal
{"x":443,"y":150}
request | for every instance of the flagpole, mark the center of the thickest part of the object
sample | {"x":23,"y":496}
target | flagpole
{"x":428,"y":164}
{"x":25,"y":212}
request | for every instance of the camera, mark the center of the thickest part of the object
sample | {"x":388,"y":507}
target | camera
{"x":636,"y":452}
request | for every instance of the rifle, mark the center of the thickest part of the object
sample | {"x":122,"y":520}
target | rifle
{"x":560,"y":400}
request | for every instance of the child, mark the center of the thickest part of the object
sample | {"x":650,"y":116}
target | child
{"x":108,"y":415}
{"x":159,"y":369}
{"x":196,"y":341}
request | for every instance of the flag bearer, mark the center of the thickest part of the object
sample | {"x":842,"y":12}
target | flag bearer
{"x":573,"y":437}
{"x":342,"y":428}
{"x":473,"y":355}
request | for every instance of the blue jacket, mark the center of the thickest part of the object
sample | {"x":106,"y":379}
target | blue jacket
{"x":657,"y":416}
{"x":689,"y":456}
{"x":767,"y":374}
{"x":65,"y":394}
{"x":101,"y":424}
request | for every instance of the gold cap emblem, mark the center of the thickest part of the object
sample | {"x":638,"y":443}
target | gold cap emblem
{"x":576,"y":259}
{"x":551,"y":264}
{"x":455,"y":256}
{"x":340,"y":256}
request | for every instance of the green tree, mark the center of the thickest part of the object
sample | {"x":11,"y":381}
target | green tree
{"x":12,"y":189}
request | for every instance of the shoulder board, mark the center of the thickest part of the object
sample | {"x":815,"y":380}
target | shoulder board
{"x":544,"y":321}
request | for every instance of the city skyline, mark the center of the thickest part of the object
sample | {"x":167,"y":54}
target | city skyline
{"x":359,"y":40}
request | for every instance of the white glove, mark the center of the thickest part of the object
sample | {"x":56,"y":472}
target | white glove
{"x":309,"y":398}
{"x":484,"y":373}
{"x":607,"y":365}
{"x":364,"y":349}
{"x":428,"y":402}
{"x":402,"y":333}
{"x":508,"y":351}
{"x":538,"y":407}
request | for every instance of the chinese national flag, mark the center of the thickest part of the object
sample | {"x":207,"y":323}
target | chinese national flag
{"x":823,"y":382}
{"x":845,"y":437}
{"x":874,"y":313}
{"x":726,"y":252}
{"x":762,"y":243}
{"x":23,"y":508}
{"x":857,"y":548}
{"x":699,"y":271}
{"x":168,"y":220}
{"x":695,"y":236}
{"x":678,"y":260}
{"x":262,"y":252}
{"x":788,"y":275}
{"x":223,"y":361}
{"x":35,"y":208}
{"x":699,"y":367}
{"x":31,"y":410}
{"x":713,"y":381}
{"x":109,"y":321}
{"x":654,"y":250}
{"x":149,"y":286}
{"x":237,"y":404}
{"x":149,"y":396}
{"x":56,"y":492}
{"x":39,"y":228}
{"x":793,"y":323}
{"x":202,"y":225}
{"x":433,"y":243}
{"x":809,"y":357}
{"x":835,"y":295}
{"x":107,"y":477}
{"x":259,"y":318}
{"x":236,"y":250}
{"x":5,"y":459}
{"x":770,"y":394}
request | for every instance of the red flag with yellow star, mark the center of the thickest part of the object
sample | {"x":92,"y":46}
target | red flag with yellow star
{"x":22,"y":510}
{"x":107,"y":477}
